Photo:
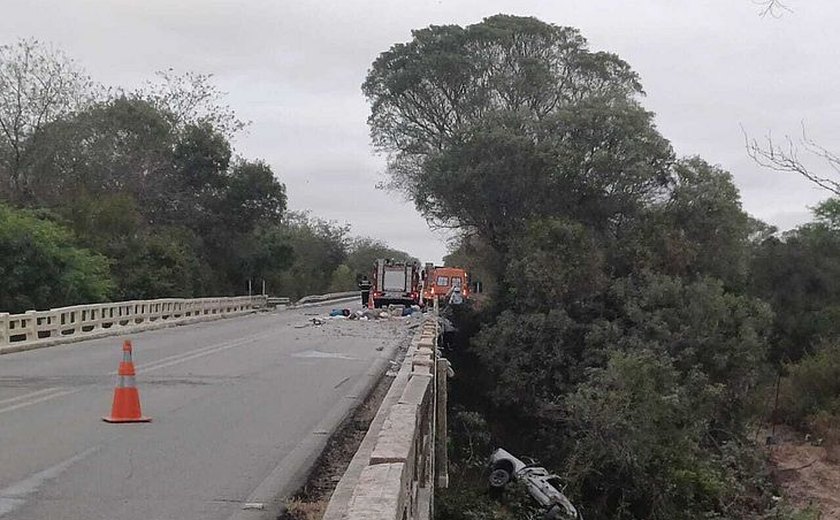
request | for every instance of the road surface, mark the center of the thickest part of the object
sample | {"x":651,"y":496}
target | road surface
{"x":238,"y":406}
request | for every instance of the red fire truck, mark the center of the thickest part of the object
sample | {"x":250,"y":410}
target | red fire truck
{"x":395,"y":282}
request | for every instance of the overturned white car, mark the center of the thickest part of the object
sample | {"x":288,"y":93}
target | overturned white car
{"x":543,"y":486}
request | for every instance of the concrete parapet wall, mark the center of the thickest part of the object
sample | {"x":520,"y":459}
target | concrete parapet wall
{"x":35,"y":329}
{"x":393,"y":474}
{"x":327,"y":297}
{"x":380,"y":492}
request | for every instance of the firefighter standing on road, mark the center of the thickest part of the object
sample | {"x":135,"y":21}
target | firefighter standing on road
{"x":364,"y":286}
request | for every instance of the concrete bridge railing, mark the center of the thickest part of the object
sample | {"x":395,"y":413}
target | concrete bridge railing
{"x":317,"y":298}
{"x":34,"y":329}
{"x":403,"y":456}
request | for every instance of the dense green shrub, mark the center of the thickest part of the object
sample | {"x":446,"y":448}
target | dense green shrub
{"x":810,"y":390}
{"x":42,"y":266}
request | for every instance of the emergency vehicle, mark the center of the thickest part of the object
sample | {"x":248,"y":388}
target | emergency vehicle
{"x":440,"y":281}
{"x":395,"y":283}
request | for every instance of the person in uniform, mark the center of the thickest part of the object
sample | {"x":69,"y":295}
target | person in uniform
{"x":364,"y":286}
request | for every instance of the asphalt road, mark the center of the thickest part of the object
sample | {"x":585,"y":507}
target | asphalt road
{"x":237,"y":405}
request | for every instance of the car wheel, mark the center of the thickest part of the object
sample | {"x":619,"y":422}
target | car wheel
{"x":499,"y":477}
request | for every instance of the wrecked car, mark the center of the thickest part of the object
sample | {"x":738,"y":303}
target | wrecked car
{"x":544,"y":487}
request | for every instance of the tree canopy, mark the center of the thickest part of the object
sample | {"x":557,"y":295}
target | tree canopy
{"x":624,"y":340}
{"x":144,"y":191}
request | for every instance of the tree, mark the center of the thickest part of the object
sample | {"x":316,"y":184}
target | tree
{"x":480,"y":260}
{"x":425,"y":91}
{"x":42,"y":267}
{"x":202,"y":155}
{"x":363,"y":253}
{"x":265,"y":254}
{"x":798,"y":274}
{"x":122,"y":145}
{"x":191,"y":99}
{"x":252,"y":195}
{"x":701,"y":229}
{"x":511,"y":102}
{"x":342,"y":279}
{"x":642,"y":447}
{"x":319,"y":248}
{"x":165,"y":264}
{"x":639,"y":392}
{"x":174,"y":180}
{"x":619,"y":343}
{"x":552,"y":263}
{"x":38,"y":85}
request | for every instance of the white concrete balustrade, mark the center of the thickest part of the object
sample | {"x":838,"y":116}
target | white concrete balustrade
{"x":33,"y":329}
{"x":403,"y":456}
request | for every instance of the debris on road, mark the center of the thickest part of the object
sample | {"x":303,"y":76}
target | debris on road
{"x":392,"y":312}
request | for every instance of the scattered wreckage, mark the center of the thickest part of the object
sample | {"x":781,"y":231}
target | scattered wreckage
{"x":544,"y":487}
{"x":365,"y":314}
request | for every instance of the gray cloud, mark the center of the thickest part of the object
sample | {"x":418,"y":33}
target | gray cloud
{"x":294,"y":69}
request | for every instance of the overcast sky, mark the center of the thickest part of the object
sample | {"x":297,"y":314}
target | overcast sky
{"x":294,"y":68}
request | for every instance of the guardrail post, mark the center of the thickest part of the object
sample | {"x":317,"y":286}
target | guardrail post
{"x":4,"y":328}
{"x":441,"y":455}
{"x":31,"y":329}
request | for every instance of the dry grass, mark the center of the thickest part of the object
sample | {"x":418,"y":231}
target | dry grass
{"x":300,"y":510}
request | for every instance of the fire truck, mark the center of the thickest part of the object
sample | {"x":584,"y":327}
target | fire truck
{"x":395,"y":283}
{"x":439,"y":282}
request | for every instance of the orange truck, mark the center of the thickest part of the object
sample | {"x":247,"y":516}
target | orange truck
{"x":439,"y":281}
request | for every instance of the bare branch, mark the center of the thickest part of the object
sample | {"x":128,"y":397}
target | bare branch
{"x":192,"y":98}
{"x":774,"y":8}
{"x":785,"y":158}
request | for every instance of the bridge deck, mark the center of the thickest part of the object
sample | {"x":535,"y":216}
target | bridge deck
{"x":230,"y":399}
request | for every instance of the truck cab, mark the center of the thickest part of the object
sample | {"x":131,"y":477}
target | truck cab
{"x":440,"y":282}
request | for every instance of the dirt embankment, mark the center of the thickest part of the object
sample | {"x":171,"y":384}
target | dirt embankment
{"x":808,"y":473}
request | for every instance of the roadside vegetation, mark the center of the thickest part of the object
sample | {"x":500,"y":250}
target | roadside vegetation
{"x":108,"y":194}
{"x":639,"y":328}
{"x":637,"y":318}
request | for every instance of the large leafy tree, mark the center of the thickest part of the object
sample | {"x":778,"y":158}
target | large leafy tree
{"x":185,"y":201}
{"x":122,"y":145}
{"x":489,"y":125}
{"x":617,"y":266}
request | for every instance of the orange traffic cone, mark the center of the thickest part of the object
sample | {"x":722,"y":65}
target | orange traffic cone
{"x":126,"y":407}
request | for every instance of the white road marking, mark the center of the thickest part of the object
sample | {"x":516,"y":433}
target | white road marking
{"x":197,"y":353}
{"x":39,"y":400}
{"x":14,"y":496}
{"x":46,"y":394}
{"x":27,"y":396}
